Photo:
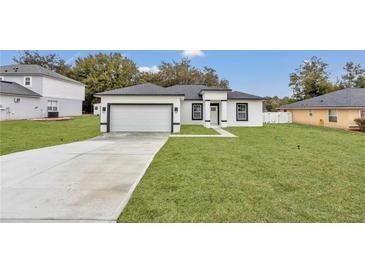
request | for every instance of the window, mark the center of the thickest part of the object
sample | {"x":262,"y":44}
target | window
{"x":96,"y":107}
{"x":332,"y":116}
{"x":28,"y":81}
{"x":362,"y":113}
{"x":52,"y":106}
{"x":241,"y":112}
{"x":197,"y":111}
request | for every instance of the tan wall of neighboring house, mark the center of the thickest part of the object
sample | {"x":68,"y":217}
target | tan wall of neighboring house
{"x":319,"y":117}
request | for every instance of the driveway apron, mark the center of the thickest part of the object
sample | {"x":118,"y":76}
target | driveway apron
{"x":78,"y":182}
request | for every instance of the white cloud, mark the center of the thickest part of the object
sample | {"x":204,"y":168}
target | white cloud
{"x":153,"y":69}
{"x":192,"y":53}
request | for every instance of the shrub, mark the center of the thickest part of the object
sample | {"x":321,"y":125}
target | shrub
{"x":361,"y":123}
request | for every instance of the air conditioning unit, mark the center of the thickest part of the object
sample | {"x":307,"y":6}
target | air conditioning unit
{"x":16,"y":100}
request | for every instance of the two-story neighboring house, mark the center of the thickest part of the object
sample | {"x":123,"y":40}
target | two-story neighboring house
{"x":31,"y":91}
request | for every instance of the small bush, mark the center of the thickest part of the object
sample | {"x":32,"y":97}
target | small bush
{"x":361,"y":123}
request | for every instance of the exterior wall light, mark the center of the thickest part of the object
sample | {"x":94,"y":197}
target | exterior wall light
{"x":176,"y":109}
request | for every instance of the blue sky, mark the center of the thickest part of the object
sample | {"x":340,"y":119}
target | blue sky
{"x":264,"y":73}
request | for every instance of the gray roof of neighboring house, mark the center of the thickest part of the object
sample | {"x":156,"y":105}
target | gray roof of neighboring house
{"x":13,"y":70}
{"x":350,"y":97}
{"x":12,"y":88}
{"x":190,"y":92}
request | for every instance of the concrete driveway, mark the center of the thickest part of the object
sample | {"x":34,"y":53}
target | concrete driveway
{"x":83,"y":181}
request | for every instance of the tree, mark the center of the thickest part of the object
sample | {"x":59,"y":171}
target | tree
{"x":354,"y":77}
{"x":182,"y":73}
{"x":310,"y":79}
{"x":273,"y":103}
{"x":211,"y":78}
{"x":360,"y":123}
{"x":50,"y":61}
{"x":102,"y":72}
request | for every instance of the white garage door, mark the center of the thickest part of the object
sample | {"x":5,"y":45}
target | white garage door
{"x":145,"y":118}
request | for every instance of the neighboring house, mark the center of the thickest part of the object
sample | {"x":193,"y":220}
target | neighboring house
{"x":30,"y":91}
{"x":148,"y":107}
{"x":336,"y":109}
{"x":96,"y":108}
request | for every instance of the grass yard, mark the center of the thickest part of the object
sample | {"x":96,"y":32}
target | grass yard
{"x":277,"y":173}
{"x":197,"y":130}
{"x":25,"y":134}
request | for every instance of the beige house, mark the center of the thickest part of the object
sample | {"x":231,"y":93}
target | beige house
{"x":336,"y":109}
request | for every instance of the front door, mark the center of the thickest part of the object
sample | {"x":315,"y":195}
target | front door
{"x":214,"y":116}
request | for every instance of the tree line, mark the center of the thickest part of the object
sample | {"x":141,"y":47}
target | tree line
{"x":312,"y":79}
{"x":101,"y":72}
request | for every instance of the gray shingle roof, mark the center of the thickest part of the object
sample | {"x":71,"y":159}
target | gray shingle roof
{"x":242,"y":95}
{"x":30,"y":70}
{"x":11,"y":88}
{"x":350,"y":97}
{"x":142,"y":89}
{"x":190,"y":92}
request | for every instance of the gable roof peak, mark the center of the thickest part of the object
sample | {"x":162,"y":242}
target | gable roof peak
{"x":33,"y":69}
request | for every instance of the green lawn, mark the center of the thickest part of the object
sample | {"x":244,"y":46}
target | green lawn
{"x":277,"y":173}
{"x":25,"y":134}
{"x":197,"y":130}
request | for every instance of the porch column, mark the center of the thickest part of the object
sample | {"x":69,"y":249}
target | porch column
{"x":224,"y":113}
{"x":103,"y":116}
{"x":207,"y":114}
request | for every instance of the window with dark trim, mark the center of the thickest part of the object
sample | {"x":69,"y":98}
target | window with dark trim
{"x":28,"y":81}
{"x":197,"y":111}
{"x":362,"y":113}
{"x":332,"y":115}
{"x":52,"y":105}
{"x":242,"y":112}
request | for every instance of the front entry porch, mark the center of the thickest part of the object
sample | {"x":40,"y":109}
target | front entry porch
{"x":215,"y":113}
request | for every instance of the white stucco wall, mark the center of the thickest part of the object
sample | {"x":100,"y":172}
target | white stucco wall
{"x":29,"y":107}
{"x":215,"y":95}
{"x":37,"y":82}
{"x":62,"y":89}
{"x":26,"y":108}
{"x":255,"y":113}
{"x":51,"y":87}
{"x":96,"y":109}
{"x":105,"y":100}
{"x":66,"y":107}
{"x":186,"y":113}
{"x":68,"y":95}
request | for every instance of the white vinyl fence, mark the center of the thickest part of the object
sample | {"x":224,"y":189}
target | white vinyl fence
{"x":277,"y":117}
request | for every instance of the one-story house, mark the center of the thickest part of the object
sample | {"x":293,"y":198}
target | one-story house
{"x":336,"y":109}
{"x":31,"y":91}
{"x":152,"y":108}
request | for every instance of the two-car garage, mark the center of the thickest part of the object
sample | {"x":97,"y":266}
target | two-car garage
{"x":140,"y":118}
